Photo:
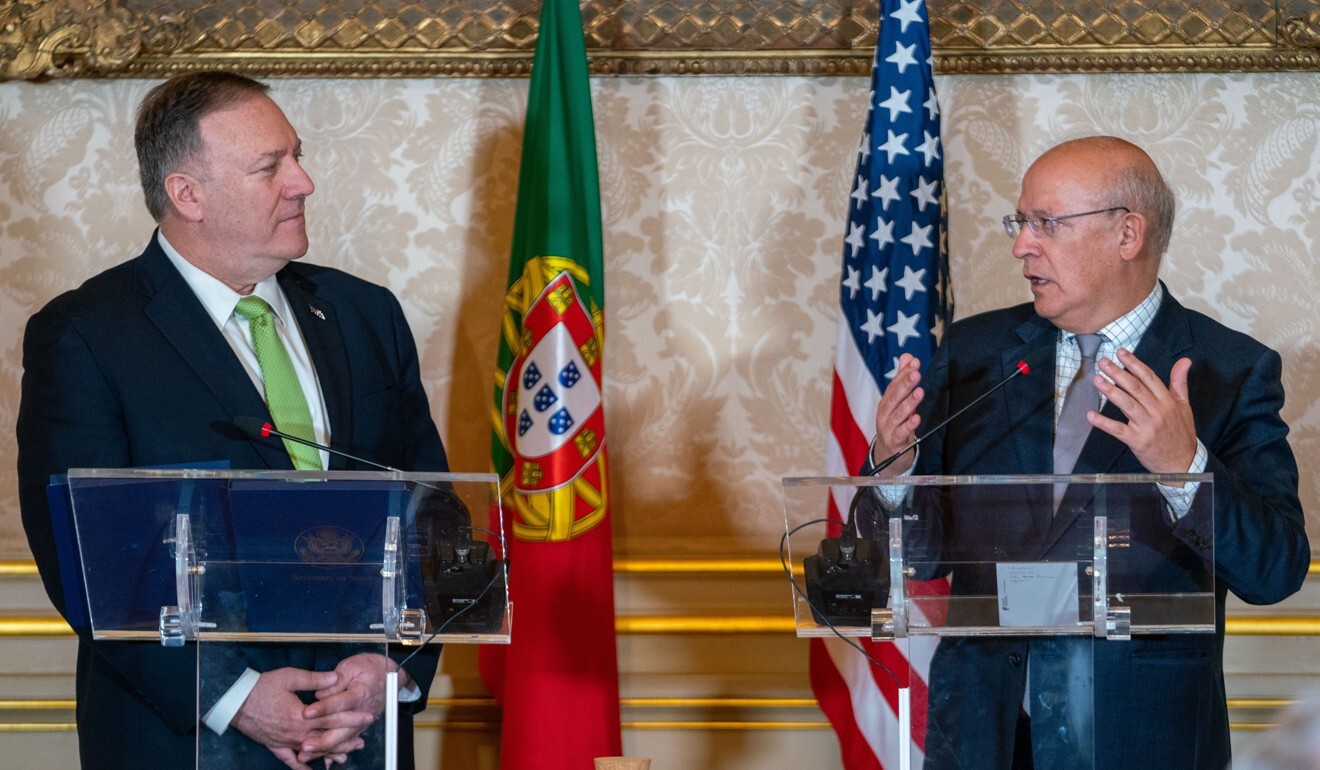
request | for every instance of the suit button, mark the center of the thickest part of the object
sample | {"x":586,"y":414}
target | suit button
{"x":1015,"y":659}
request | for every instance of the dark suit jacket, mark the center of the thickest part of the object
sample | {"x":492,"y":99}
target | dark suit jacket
{"x":128,"y":370}
{"x":1159,"y":701}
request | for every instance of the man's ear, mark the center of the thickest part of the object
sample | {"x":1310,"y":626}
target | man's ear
{"x":186,"y":194}
{"x":1132,"y":236}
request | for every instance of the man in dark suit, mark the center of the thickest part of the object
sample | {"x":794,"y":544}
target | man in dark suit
{"x":149,"y":364}
{"x":1181,"y":394}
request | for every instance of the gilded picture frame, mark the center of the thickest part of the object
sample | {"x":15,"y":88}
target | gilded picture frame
{"x":42,"y":39}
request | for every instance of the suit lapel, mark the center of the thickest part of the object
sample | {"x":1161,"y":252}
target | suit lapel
{"x":1167,"y":339}
{"x":320,"y":328}
{"x":181,"y":319}
{"x":1031,"y":411}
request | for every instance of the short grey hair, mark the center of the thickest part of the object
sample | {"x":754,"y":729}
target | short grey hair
{"x":1144,"y":190}
{"x":166,"y":136}
{"x":1137,"y":187}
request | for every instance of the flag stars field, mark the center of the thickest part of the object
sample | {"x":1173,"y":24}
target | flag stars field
{"x":894,"y":237}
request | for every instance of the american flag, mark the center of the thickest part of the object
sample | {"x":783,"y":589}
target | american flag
{"x":893,"y":299}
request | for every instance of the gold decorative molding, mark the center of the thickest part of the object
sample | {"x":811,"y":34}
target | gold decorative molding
{"x":495,"y":38}
{"x":1272,"y":625}
{"x":1301,"y":32}
{"x":753,"y":565}
{"x":16,"y":568}
{"x":623,"y":565}
{"x":70,"y":38}
{"x":723,"y":625}
{"x":433,"y":719}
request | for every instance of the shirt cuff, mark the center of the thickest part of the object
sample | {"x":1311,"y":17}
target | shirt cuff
{"x":1179,"y":499}
{"x":411,"y":693}
{"x":868,"y":467}
{"x":890,"y":495}
{"x":222,"y":713}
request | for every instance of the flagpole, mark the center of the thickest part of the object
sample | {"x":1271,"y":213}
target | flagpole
{"x":904,"y":728}
{"x":392,"y":720}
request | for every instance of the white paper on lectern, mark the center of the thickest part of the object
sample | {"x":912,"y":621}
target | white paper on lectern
{"x":1034,"y":594}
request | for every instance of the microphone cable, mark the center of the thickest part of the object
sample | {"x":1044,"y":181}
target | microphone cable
{"x":788,"y":572}
{"x":500,"y":576}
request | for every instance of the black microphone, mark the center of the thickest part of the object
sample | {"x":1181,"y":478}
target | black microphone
{"x":463,"y":581}
{"x":1020,"y":369}
{"x":261,"y":429}
{"x":843,"y":578}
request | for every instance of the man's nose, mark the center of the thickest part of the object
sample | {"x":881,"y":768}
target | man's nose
{"x":1024,"y":245}
{"x":299,"y":183}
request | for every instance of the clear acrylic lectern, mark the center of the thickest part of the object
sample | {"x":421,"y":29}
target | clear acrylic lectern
{"x":336,"y":564}
{"x":964,"y":572}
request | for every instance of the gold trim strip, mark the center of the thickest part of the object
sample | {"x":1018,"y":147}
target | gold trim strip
{"x":724,"y":725}
{"x":698,"y":724}
{"x":493,"y":725}
{"x":754,"y":565}
{"x":640,"y":625}
{"x":697,"y":566}
{"x":1272,"y":625}
{"x":38,"y":727}
{"x":815,"y":63}
{"x":484,"y":725}
{"x":16,"y":627}
{"x":67,"y":704}
{"x":757,"y":703}
{"x":714,"y":726}
{"x":650,"y":625}
{"x":54,"y":704}
{"x":624,"y":565}
{"x":1250,"y":704}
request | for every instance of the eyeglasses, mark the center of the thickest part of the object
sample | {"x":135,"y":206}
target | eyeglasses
{"x":1047,"y":225}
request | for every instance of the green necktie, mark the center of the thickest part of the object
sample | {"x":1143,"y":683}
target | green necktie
{"x":284,"y":395}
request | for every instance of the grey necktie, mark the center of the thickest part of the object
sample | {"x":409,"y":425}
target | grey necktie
{"x":1072,"y":429}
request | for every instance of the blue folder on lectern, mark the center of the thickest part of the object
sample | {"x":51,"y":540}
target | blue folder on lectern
{"x":309,"y":555}
{"x":156,"y":580}
{"x":280,"y":557}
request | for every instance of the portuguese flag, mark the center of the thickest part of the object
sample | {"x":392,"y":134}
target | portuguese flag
{"x":558,"y":681}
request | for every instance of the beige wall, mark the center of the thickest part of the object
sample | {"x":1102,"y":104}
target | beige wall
{"x":723,"y":205}
{"x":724,"y":202}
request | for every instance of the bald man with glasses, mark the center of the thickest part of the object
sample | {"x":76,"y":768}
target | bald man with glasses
{"x":1172,"y":391}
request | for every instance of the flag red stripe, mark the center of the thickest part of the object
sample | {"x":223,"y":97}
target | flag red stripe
{"x":831,"y":692}
{"x":852,"y":441}
{"x":891,"y":299}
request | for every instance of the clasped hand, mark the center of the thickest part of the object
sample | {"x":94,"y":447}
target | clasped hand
{"x":348,"y":701}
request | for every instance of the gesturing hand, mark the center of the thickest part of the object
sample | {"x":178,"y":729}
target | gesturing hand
{"x":1160,"y":429}
{"x":896,"y":416}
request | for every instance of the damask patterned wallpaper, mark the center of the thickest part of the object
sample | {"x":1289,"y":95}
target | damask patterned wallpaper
{"x":724,"y":206}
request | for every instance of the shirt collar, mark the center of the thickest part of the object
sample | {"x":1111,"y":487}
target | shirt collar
{"x":218,"y":299}
{"x":1126,"y":330}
